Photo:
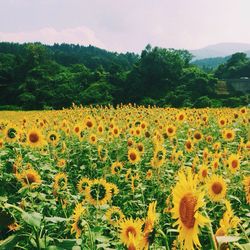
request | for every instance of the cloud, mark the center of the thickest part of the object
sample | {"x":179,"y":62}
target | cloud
{"x":79,"y":35}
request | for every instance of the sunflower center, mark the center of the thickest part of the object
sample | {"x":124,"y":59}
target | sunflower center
{"x":140,"y":148}
{"x":52,"y":137}
{"x":131,"y":230}
{"x":29,"y":178}
{"x":98,"y":192}
{"x":204,"y":173}
{"x":89,"y":124}
{"x":229,"y":135}
{"x":132,"y":156}
{"x":11,"y":133}
{"x":33,"y":137}
{"x":197,"y":136}
{"x":234,"y":164}
{"x":115,"y":216}
{"x":170,"y":130}
{"x":187,"y":210}
{"x":159,"y":155}
{"x":188,"y":145}
{"x":217,"y":187}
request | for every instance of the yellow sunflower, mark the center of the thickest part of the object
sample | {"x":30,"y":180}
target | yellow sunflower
{"x":102,"y":153}
{"x":217,"y":188}
{"x":187,"y":200}
{"x":116,"y":167}
{"x":11,"y":133}
{"x":78,"y":222}
{"x":234,"y":162}
{"x":98,"y":192}
{"x":189,"y":146}
{"x":130,"y":228}
{"x":53,"y":137}
{"x":133,"y":156}
{"x":203,"y":172}
{"x":30,"y":178}
{"x":82,"y":184}
{"x":60,"y":181}
{"x":228,"y":134}
{"x":114,"y":216}
{"x":35,"y":138}
{"x":149,"y":225}
{"x":246,"y":183}
{"x":197,"y":136}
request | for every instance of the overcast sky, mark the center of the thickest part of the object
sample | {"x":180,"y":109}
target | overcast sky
{"x":126,"y":25}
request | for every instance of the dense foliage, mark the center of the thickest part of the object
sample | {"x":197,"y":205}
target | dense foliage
{"x":35,"y":76}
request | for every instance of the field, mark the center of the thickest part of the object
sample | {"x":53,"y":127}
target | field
{"x":126,"y":178}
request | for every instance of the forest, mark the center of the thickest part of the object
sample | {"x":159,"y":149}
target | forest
{"x":34,"y":76}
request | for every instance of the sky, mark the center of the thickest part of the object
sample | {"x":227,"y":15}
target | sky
{"x":126,"y":25}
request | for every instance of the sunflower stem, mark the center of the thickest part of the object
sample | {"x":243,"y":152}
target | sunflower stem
{"x":165,"y":237}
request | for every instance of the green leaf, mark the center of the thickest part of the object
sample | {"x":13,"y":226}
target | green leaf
{"x":34,"y":219}
{"x":226,"y":239}
{"x":55,"y":219}
{"x":9,"y":243}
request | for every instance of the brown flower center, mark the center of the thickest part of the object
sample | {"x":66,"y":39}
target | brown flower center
{"x":33,"y":137}
{"x":132,"y":156}
{"x":187,"y":210}
{"x":217,"y":187}
{"x":234,"y":164}
{"x":29,"y":178}
{"x":131,"y":230}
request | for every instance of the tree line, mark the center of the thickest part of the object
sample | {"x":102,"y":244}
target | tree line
{"x":37,"y":76}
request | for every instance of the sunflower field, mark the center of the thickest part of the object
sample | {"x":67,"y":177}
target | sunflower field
{"x":125,"y":178}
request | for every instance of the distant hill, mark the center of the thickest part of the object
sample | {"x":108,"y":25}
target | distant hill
{"x":220,"y":50}
{"x":210,"y":63}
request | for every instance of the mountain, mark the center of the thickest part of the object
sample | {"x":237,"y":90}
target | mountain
{"x":220,"y":50}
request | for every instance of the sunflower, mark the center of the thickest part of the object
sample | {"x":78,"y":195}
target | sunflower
{"x":78,"y":222}
{"x":133,"y":156}
{"x":197,"y":136}
{"x":149,"y":225}
{"x":170,"y":130}
{"x":53,"y":137}
{"x":116,"y":167}
{"x":187,"y":200}
{"x":228,"y":134}
{"x":60,"y":181}
{"x":228,"y":221}
{"x":61,"y":163}
{"x":149,"y":174}
{"x":203,"y":172}
{"x":215,"y":164}
{"x":246,"y":183}
{"x":130,"y":228}
{"x":98,"y":192}
{"x":92,"y":139}
{"x":102,"y":153}
{"x":181,"y":116}
{"x":82,"y":184}
{"x":30,"y":178}
{"x":189,"y":146}
{"x":35,"y":138}
{"x":217,"y":188}
{"x":234,"y":162}
{"x":11,"y":133}
{"x":159,"y":157}
{"x":114,"y":216}
{"x":140,"y":147}
{"x":113,"y":188}
{"x":115,"y":131}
